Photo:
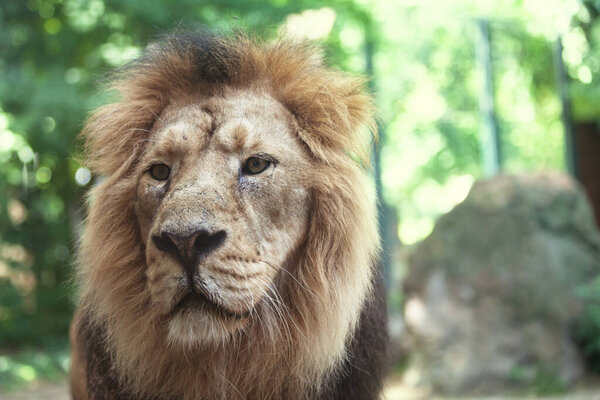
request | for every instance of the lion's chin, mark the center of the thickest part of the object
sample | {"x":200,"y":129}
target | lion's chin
{"x":192,"y":325}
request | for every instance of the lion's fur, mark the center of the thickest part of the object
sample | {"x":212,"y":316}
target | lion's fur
{"x":331,"y":272}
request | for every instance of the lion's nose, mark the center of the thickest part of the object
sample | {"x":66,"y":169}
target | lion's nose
{"x":189,"y":249}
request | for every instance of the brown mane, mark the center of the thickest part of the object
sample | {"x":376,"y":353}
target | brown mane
{"x":330,"y":276}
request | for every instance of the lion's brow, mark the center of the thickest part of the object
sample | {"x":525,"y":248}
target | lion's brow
{"x":232,"y":140}
{"x":240,"y":134}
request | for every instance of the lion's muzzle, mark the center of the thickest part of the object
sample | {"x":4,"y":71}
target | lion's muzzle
{"x":189,"y":250}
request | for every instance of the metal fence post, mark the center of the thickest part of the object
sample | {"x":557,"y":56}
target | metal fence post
{"x":563,"y":90}
{"x":490,"y":140}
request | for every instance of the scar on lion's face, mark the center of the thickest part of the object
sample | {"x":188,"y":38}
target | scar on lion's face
{"x":221,"y":203}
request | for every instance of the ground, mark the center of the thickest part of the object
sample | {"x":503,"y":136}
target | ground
{"x":394,"y":391}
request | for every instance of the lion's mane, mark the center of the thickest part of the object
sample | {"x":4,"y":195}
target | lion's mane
{"x":331,"y":274}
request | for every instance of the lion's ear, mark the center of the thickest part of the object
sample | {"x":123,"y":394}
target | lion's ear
{"x":115,"y":133}
{"x":330,"y":107}
{"x":338,"y":120}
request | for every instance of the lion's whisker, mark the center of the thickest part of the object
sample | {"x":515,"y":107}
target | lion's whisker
{"x":142,"y":130}
{"x":291,"y":275}
{"x":157,"y":117}
{"x":286,"y":309}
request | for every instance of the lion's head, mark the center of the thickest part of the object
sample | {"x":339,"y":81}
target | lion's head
{"x":235,"y":226}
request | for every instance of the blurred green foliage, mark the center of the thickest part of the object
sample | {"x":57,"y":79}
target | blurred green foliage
{"x":54,"y":53}
{"x":537,"y":381}
{"x":26,"y":366}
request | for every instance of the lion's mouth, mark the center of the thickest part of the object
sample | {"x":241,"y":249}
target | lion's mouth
{"x":198,"y":301}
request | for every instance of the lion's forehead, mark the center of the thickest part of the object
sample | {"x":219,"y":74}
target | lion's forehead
{"x":241,"y":122}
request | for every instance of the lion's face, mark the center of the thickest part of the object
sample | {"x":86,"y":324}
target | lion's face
{"x":222,"y":204}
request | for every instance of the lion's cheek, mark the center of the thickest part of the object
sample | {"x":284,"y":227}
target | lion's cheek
{"x":162,"y":275}
{"x":283,"y":219}
{"x":281,"y":241}
{"x":283,"y":207}
{"x":148,"y":200}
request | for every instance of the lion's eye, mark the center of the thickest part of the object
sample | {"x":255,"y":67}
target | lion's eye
{"x":160,"y":172}
{"x":256,"y":165}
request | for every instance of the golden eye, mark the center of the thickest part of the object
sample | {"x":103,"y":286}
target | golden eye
{"x":256,"y":165}
{"x":160,"y":172}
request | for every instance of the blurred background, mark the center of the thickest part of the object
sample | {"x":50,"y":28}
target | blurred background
{"x":488,"y":172}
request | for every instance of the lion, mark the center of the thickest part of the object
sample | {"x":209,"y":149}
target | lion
{"x":230,"y":249}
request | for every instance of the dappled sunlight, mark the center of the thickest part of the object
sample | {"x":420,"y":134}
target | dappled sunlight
{"x":310,"y":24}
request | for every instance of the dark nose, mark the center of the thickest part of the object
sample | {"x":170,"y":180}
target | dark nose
{"x":191,"y":248}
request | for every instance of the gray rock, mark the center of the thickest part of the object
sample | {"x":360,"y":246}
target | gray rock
{"x":490,"y":293}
